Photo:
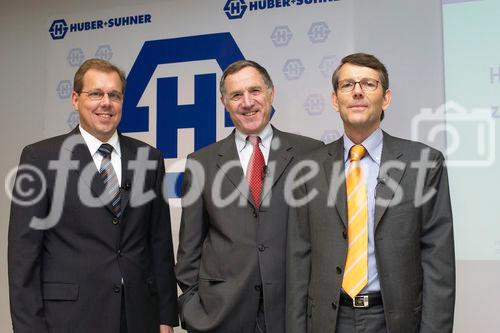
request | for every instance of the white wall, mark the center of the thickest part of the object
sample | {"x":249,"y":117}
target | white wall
{"x":23,"y":32}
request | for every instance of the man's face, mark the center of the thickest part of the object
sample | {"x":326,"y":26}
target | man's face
{"x":360,"y":110}
{"x":99,"y":117}
{"x":248,"y":100}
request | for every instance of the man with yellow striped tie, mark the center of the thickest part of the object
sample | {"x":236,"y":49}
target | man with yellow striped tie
{"x":372,"y":249}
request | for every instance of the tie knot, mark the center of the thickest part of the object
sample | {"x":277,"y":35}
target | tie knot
{"x":357,"y":152}
{"x":253,"y":139}
{"x":105,"y":149}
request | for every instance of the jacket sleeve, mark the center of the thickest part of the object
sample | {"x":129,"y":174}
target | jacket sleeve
{"x":437,"y":250}
{"x":25,"y":244}
{"x":298,"y":266}
{"x":193,"y":231}
{"x":162,"y":252}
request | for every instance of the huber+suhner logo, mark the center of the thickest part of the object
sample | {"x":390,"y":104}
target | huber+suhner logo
{"x":235,"y":9}
{"x":58,"y":29}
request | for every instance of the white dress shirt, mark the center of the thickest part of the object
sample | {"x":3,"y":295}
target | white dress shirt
{"x":93,"y":144}
{"x":245,"y":148}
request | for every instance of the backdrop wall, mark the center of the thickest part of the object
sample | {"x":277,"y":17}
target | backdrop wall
{"x":174,"y":53}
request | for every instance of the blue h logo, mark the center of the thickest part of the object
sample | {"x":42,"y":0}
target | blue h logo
{"x":201,"y":115}
{"x":171,"y":116}
{"x":235,"y":9}
{"x":58,"y":29}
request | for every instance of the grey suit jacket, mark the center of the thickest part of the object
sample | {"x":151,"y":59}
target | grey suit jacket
{"x":228,"y":254}
{"x":413,"y":243}
{"x":68,"y":278}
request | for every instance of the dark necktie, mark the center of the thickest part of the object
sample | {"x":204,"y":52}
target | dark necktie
{"x":109,"y":178}
{"x":255,"y":170}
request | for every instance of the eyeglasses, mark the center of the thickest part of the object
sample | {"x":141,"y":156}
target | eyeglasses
{"x":346,"y":86}
{"x":97,"y":95}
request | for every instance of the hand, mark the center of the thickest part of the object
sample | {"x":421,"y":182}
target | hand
{"x":166,"y":329}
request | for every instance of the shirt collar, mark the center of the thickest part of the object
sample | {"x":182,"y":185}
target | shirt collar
{"x":93,"y":143}
{"x":265,"y":135}
{"x":372,"y":144}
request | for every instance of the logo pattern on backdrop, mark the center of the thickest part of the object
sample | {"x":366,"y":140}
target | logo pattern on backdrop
{"x":60,"y":28}
{"x":235,"y":9}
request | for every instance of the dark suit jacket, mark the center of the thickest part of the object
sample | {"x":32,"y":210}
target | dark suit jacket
{"x":413,"y":244}
{"x":68,"y":278}
{"x":228,"y":254}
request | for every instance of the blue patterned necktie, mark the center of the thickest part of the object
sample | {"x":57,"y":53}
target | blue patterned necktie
{"x":109,"y":178}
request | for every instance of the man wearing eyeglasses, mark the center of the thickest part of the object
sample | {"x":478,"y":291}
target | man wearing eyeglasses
{"x":84,"y":256}
{"x":372,"y":250}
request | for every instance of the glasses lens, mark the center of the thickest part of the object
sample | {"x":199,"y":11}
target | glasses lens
{"x":369,"y":84}
{"x":115,"y":96}
{"x":95,"y":95}
{"x":365,"y":84}
{"x":346,"y":85}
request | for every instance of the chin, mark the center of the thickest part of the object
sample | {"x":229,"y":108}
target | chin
{"x":249,"y":129}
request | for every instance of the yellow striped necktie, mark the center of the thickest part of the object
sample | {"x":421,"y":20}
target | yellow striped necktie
{"x":356,"y":267}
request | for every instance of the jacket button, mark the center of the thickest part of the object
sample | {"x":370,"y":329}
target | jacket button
{"x":262,"y":248}
{"x":258,"y":287}
{"x":116,"y":221}
{"x":339,"y":270}
{"x":254,"y":213}
{"x":334,"y":306}
{"x":344,"y":234}
{"x":119,"y":252}
{"x":117,"y":288}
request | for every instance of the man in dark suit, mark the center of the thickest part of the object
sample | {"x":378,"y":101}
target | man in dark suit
{"x":231,"y":257}
{"x":92,"y":252}
{"x":372,"y":250}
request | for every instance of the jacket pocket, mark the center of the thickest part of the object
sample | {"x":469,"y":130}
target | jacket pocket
{"x":52,"y":291}
{"x":203,"y":277}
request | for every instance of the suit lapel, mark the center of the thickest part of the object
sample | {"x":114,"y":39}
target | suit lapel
{"x":228,"y":154}
{"x":87,"y":170}
{"x":384,"y":194}
{"x":86,"y":167}
{"x":278,"y":161}
{"x":336,"y":179}
{"x":127,"y":154}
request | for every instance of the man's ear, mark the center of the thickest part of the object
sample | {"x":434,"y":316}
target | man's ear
{"x":335,"y":101}
{"x":387,"y":99}
{"x":74,"y":100}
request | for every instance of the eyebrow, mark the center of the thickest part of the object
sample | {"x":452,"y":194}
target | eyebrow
{"x":234,"y":92}
{"x":363,"y":78}
{"x":239,"y":91}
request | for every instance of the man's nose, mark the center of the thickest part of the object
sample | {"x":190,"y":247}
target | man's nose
{"x":357,"y":91}
{"x":247,"y":100}
{"x":105,"y":99}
